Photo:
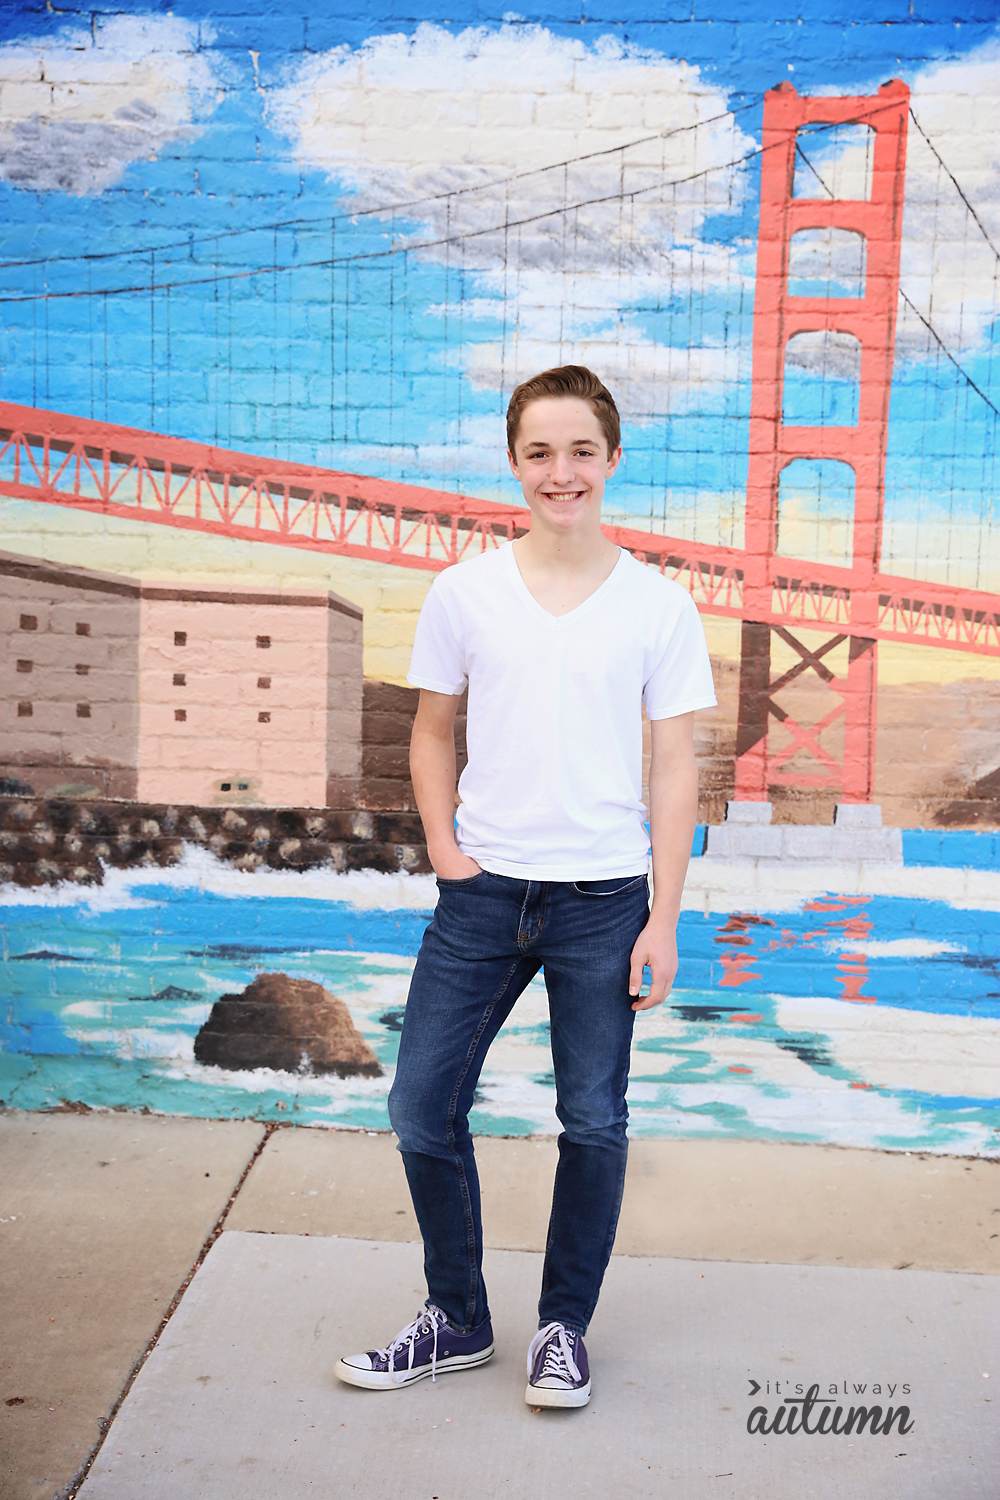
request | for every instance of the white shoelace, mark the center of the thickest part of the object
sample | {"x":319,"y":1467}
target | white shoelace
{"x":429,"y":1319}
{"x":559,"y":1359}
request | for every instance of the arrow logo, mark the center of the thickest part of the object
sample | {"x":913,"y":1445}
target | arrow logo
{"x":754,"y":1386}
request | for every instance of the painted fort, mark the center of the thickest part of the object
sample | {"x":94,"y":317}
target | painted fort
{"x":118,"y":689}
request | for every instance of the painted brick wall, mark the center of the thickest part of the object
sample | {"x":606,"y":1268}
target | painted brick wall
{"x":267,"y":278}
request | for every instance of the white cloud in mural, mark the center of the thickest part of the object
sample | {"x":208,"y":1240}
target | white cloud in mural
{"x":480,"y":117}
{"x":497,"y":132}
{"x":948,"y":268}
{"x":471,"y":125}
{"x":78,"y":109}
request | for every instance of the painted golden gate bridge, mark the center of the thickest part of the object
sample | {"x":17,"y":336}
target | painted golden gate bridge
{"x":118,"y":471}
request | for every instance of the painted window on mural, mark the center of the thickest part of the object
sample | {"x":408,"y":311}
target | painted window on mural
{"x":827,"y":262}
{"x":834,"y":161}
{"x":822,"y":380}
{"x":816,"y":511}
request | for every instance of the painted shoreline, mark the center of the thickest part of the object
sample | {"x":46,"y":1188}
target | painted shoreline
{"x":804,"y":1011}
{"x":45,"y":842}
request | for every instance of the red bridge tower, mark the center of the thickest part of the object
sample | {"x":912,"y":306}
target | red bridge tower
{"x":871,"y":319}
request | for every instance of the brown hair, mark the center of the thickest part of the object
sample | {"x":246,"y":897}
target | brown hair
{"x":567,"y":380}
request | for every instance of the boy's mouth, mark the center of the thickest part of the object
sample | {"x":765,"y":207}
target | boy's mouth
{"x":563,"y":495}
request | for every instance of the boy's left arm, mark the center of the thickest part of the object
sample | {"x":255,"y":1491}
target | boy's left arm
{"x":673,"y":813}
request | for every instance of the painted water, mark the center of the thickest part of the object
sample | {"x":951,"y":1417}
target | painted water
{"x":805,"y":1009}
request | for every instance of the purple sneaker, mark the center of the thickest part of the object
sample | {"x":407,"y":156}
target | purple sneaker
{"x":558,"y":1369}
{"x":427,"y":1346}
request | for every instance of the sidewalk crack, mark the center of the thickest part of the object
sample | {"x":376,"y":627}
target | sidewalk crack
{"x":69,"y":1491}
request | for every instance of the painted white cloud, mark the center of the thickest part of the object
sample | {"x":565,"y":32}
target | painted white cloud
{"x":950,"y":273}
{"x":476,"y":127}
{"x":480,"y":118}
{"x":472,"y":124}
{"x":77,"y":109}
{"x":948,"y":269}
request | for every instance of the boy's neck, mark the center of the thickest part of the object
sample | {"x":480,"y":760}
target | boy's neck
{"x":562,"y":571}
{"x":582,"y":549}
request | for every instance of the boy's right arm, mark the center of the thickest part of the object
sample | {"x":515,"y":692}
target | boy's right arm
{"x":433,"y":771}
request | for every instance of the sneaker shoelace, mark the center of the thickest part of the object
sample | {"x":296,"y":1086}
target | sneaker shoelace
{"x":428,"y":1320}
{"x":559,"y":1361}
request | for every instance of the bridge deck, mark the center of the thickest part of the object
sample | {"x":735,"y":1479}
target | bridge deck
{"x":58,"y":459}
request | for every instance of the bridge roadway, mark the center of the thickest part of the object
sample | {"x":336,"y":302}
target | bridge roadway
{"x":58,"y":459}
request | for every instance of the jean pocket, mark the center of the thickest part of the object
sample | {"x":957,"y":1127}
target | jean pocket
{"x":467,"y":880}
{"x":614,"y":887}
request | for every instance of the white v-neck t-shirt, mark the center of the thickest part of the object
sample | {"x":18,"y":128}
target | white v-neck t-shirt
{"x":553,"y":787}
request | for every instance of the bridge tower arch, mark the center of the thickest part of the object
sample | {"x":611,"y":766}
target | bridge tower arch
{"x":791,"y":123}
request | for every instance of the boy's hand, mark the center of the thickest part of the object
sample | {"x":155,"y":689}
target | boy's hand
{"x":656,"y":946}
{"x":452,"y":864}
{"x":432,"y":766}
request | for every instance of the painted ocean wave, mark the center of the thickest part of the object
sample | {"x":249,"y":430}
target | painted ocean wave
{"x":852,"y":1018}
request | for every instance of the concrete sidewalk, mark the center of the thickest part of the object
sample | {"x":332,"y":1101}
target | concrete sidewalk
{"x":104,"y":1216}
{"x":239,"y":1397}
{"x":711,"y":1200}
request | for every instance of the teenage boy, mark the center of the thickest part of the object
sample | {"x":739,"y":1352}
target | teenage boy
{"x":562,"y":637}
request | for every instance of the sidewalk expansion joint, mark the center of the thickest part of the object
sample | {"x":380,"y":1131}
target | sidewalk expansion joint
{"x":70,"y":1491}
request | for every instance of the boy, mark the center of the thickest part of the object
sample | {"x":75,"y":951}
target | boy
{"x":561,"y":637}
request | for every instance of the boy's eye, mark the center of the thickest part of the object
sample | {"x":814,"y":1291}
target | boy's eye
{"x":577,"y":453}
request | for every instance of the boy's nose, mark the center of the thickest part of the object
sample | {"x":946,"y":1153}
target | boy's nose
{"x":561,"y":470}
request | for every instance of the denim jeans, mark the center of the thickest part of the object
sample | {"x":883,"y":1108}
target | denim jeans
{"x":488,"y":938}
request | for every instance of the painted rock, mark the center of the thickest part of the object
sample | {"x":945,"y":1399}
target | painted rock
{"x":290,"y":1024}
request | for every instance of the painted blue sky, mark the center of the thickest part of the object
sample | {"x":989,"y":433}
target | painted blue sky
{"x":191,"y":151}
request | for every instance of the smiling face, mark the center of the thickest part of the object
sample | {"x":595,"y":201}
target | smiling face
{"x":562,"y":462}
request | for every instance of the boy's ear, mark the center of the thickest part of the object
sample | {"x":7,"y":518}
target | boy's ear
{"x":615,"y":460}
{"x":513,"y":464}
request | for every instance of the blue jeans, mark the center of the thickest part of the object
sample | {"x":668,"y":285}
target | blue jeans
{"x":488,"y":938}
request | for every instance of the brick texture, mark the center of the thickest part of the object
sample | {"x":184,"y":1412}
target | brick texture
{"x":386,"y":725}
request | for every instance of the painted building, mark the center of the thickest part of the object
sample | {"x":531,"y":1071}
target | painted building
{"x":70,"y":673}
{"x":174,"y":695}
{"x":249,"y":698}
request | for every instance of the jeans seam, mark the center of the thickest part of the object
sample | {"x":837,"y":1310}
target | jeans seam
{"x":608,"y":1244}
{"x":543,"y":903}
{"x":612,"y":1228}
{"x":470,"y":1235}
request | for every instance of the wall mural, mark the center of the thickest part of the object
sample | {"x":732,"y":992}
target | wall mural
{"x":263,"y":299}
